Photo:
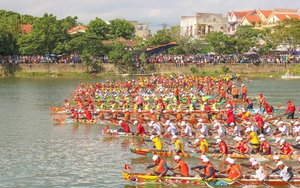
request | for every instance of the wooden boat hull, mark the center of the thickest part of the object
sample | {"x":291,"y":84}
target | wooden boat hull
{"x":150,"y":152}
{"x":69,"y":120}
{"x":219,"y":181}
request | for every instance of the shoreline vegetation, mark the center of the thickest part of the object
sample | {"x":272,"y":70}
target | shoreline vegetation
{"x":109,"y":70}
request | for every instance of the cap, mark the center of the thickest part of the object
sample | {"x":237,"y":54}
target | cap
{"x":151,"y":111}
{"x":249,"y":123}
{"x":176,"y":157}
{"x":296,"y":123}
{"x":265,"y":125}
{"x":254,"y":163}
{"x":275,"y":157}
{"x":288,"y":101}
{"x":217,"y":137}
{"x":201,"y":136}
{"x":231,"y":123}
{"x":155,"y":157}
{"x":227,"y":105}
{"x":298,"y":138}
{"x":197,"y":140}
{"x":252,"y":160}
{"x":275,"y":121}
{"x":200,"y":120}
{"x":152,"y":136}
{"x":205,"y":160}
{"x":248,"y":130}
{"x":120,"y":122}
{"x":262,"y":139}
{"x":261,"y":136}
{"x":183,"y":123}
{"x":202,"y":157}
{"x":174,"y":137}
{"x":279,"y":163}
{"x":167,"y":122}
{"x":231,"y":161}
{"x":282,"y":141}
{"x":239,"y":139}
{"x":135,"y":122}
{"x":218,"y":140}
{"x":298,"y":160}
{"x":277,"y":140}
{"x":243,"y":85}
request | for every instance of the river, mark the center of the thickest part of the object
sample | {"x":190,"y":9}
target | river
{"x":35,"y":152}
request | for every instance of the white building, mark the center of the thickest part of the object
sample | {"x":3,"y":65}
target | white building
{"x":202,"y":24}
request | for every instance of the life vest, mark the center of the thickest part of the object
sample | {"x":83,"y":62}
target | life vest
{"x":286,"y":149}
{"x":160,"y":166}
{"x":233,"y":171}
{"x":265,"y":146}
{"x":157,"y":143}
{"x":205,"y":144}
{"x":179,"y":145}
{"x":254,"y":140}
{"x":223,"y":143}
{"x":184,"y":170}
{"x":242,"y":147}
{"x":206,"y":170}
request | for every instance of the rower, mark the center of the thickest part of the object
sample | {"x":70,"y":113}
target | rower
{"x":170,"y":129}
{"x":162,"y":167}
{"x":230,"y":115}
{"x":140,"y":130}
{"x":202,"y":129}
{"x":260,"y":173}
{"x":267,"y":130}
{"x":209,"y":169}
{"x":182,"y":166}
{"x":235,"y":130}
{"x":286,"y":173}
{"x":241,"y":146}
{"x":155,"y":128}
{"x":297,"y":167}
{"x":277,"y":142}
{"x":252,"y":137}
{"x":223,"y":149}
{"x":259,"y":121}
{"x":179,"y":148}
{"x":290,"y":111}
{"x":124,"y":127}
{"x":234,"y":171}
{"x":186,"y":130}
{"x":282,"y":129}
{"x":202,"y":144}
{"x":265,"y":147}
{"x":157,"y":142}
{"x":275,"y":159}
{"x":296,"y":129}
{"x":220,"y":130}
{"x":286,"y":147}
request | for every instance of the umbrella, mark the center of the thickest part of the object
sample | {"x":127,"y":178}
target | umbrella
{"x":250,"y":53}
{"x":52,"y":55}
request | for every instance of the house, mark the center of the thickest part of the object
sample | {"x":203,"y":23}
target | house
{"x":128,"y":43}
{"x":77,"y":29}
{"x":278,"y":15}
{"x":25,"y":29}
{"x":235,"y":18}
{"x":251,"y":20}
{"x":142,"y":29}
{"x":202,"y":24}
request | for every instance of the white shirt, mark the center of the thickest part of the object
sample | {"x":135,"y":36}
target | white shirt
{"x":236,"y":131}
{"x":284,"y":130}
{"x":269,"y":131}
{"x":259,"y":174}
{"x":188,"y":130}
{"x":156,"y":128}
{"x":172,"y":129}
{"x":296,"y":129}
{"x":204,"y":130}
{"x":284,"y":174}
{"x":221,"y":132}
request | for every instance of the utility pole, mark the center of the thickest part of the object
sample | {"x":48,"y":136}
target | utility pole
{"x":164,"y":26}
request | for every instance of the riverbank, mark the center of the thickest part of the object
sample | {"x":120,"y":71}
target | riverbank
{"x":262,"y":70}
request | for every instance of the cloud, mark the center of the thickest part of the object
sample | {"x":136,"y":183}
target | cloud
{"x":155,"y":11}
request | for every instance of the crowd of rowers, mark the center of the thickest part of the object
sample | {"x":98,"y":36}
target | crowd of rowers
{"x":233,"y":170}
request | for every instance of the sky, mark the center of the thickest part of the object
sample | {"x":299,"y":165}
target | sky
{"x":156,"y":12}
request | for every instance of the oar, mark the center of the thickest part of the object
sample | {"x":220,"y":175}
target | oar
{"x":210,"y":186}
{"x":288,"y":183}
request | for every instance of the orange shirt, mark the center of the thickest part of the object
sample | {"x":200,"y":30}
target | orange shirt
{"x":233,"y":171}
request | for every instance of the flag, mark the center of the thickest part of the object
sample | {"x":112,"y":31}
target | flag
{"x":127,"y":167}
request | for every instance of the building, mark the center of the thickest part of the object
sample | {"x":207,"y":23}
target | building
{"x":235,"y":18}
{"x":202,"y":24}
{"x":25,"y":29}
{"x":77,"y":29}
{"x":128,"y":43}
{"x":142,"y":29}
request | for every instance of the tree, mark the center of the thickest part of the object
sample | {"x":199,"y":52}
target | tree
{"x":161,"y":37}
{"x":97,"y":27}
{"x":121,"y":28}
{"x":46,"y":34}
{"x":246,"y":38}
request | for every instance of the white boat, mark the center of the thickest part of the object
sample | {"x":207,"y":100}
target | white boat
{"x":288,"y":76}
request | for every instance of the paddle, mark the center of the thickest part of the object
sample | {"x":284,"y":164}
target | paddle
{"x":206,"y":183}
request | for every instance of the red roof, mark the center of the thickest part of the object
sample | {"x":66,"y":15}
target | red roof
{"x":242,"y":13}
{"x":281,"y":17}
{"x":76,"y":28}
{"x":128,"y":43}
{"x":255,"y":19}
{"x":266,"y":13}
{"x":26,"y":29}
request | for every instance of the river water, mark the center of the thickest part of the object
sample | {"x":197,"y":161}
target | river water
{"x":35,"y":152}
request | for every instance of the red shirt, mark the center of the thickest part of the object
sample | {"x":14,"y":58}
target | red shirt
{"x":230,"y":116}
{"x":140,"y":129}
{"x":223,"y":143}
{"x":290,"y":108}
{"x":259,"y":121}
{"x":125,"y":127}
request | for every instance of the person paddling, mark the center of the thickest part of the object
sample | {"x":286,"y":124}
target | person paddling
{"x":260,"y":173}
{"x":162,"y":167}
{"x":209,"y":169}
{"x":233,"y":170}
{"x":182,"y":166}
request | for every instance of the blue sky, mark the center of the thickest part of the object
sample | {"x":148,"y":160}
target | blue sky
{"x":156,"y":12}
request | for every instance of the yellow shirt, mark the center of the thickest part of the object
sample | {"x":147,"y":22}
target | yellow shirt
{"x":157,"y":143}
{"x":179,"y":145}
{"x":254,"y":140}
{"x":205,"y":145}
